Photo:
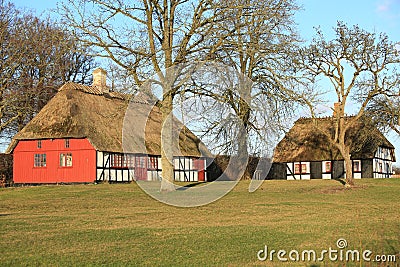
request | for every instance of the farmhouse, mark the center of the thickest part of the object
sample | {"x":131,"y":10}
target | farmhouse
{"x":77,"y":137}
{"x":305,"y":152}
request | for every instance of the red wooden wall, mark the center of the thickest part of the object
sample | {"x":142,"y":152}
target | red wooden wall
{"x":83,"y":167}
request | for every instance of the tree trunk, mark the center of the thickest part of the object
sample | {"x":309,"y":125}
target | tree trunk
{"x":167,"y":157}
{"x":349,"y":171}
{"x":345,"y":151}
{"x":167,"y":174}
{"x":243,"y":153}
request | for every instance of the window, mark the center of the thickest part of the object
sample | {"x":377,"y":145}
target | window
{"x":303,"y":168}
{"x":129,"y":161}
{"x":39,"y":144}
{"x":116,"y":160}
{"x":296,"y":168}
{"x":152,"y":163}
{"x":122,"y":161}
{"x":39,"y":160}
{"x":66,"y":159}
{"x":328,"y":166}
{"x":356,"y":166}
{"x":300,"y":168}
{"x":140,"y":162}
{"x":66,"y":143}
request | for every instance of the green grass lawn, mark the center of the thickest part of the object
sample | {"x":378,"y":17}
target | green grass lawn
{"x":120,"y":225}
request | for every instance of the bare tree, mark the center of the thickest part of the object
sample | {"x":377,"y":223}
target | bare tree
{"x":385,"y":113}
{"x":260,"y":51}
{"x":38,"y":56}
{"x":146,"y":37}
{"x":149,"y":36}
{"x":13,"y":50}
{"x":361,"y":67}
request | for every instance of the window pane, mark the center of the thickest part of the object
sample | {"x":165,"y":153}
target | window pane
{"x":36,"y":160}
{"x":357,"y":166}
{"x":39,"y":160}
{"x":303,"y":168}
{"x":297,"y":168}
{"x":43,"y":160}
{"x":62,"y":160}
{"x":328,"y":166}
{"x":120,"y":161}
{"x":131,"y":161}
{"x":152,"y":163}
{"x":68,"y":160}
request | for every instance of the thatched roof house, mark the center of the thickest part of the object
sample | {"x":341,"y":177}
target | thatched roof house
{"x":100,"y":117}
{"x":81,"y":111}
{"x":306,"y":153}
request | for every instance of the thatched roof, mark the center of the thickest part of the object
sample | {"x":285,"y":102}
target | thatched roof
{"x":306,"y":141}
{"x":80,"y":111}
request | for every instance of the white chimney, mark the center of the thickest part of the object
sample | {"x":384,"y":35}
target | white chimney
{"x":99,"y":80}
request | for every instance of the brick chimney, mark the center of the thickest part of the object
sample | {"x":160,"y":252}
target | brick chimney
{"x":99,"y":80}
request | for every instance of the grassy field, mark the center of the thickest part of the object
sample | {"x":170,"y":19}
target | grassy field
{"x":120,"y":225}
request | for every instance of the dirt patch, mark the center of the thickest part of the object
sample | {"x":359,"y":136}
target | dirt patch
{"x":342,"y":189}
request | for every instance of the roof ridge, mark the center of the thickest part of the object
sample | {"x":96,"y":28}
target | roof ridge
{"x":323,"y":118}
{"x":94,"y":90}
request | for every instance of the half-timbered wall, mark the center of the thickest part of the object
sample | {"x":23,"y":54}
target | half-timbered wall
{"x":327,"y":169}
{"x":298,"y":171}
{"x":189,"y":169}
{"x":382,"y":163}
{"x":119,"y":167}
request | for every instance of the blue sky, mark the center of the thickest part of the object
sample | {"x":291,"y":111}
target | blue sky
{"x":371,"y":15}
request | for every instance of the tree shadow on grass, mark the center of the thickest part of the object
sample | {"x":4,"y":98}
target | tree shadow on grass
{"x":340,"y":180}
{"x":185,"y":187}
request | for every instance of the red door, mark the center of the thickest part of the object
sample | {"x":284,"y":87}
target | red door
{"x":141,"y":168}
{"x":199,"y":165}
